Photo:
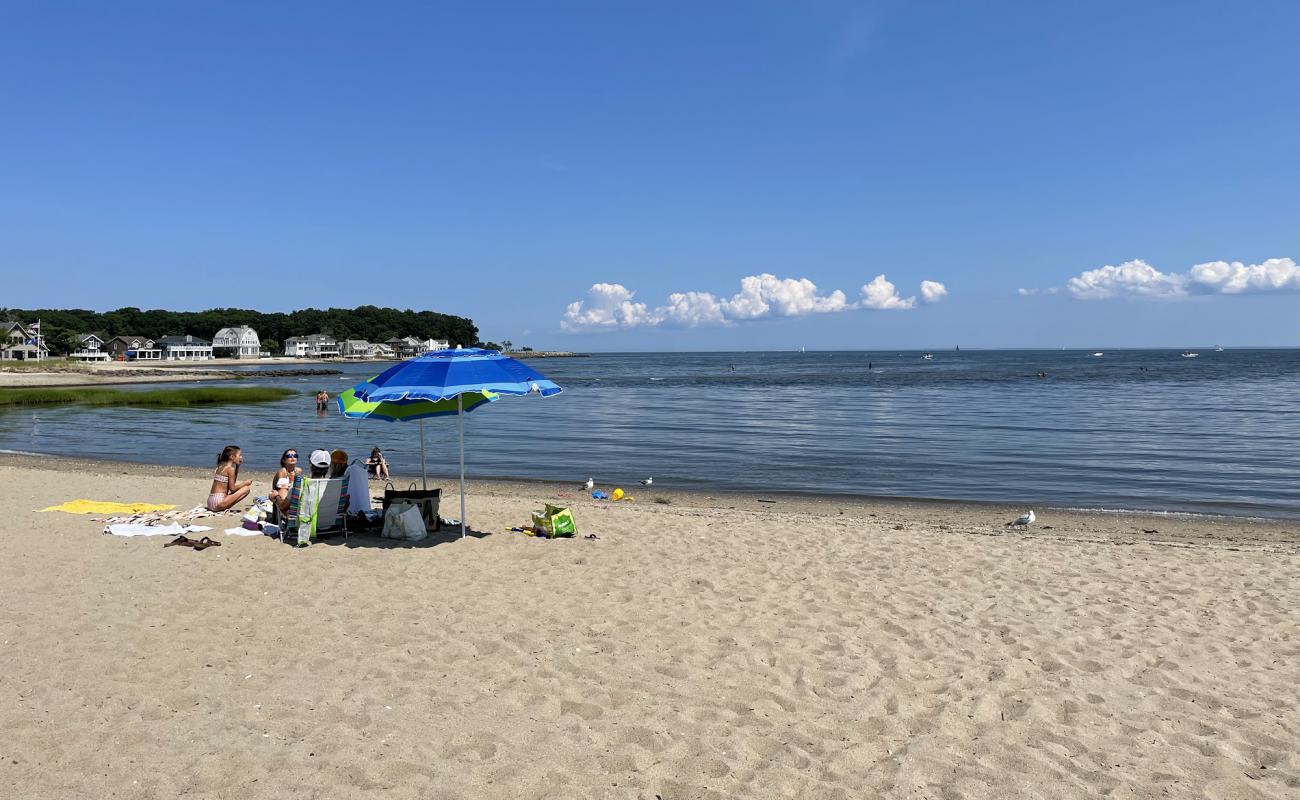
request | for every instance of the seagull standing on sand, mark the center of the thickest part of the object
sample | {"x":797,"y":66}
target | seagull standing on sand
{"x":648,"y":482}
{"x":1022,"y":521}
{"x":590,"y":484}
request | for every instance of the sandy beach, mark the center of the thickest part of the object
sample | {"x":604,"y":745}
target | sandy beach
{"x":704,"y":646}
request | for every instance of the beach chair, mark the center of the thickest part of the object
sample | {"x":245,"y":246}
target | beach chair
{"x":324,"y":500}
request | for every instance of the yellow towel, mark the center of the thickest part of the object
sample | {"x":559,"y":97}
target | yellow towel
{"x":105,"y":507}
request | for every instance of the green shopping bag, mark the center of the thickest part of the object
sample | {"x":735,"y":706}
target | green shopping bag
{"x":554,"y":522}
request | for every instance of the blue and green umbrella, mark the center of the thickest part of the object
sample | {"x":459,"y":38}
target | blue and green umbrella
{"x":443,"y":382}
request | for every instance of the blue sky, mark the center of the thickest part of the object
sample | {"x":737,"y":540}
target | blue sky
{"x":500,"y":160}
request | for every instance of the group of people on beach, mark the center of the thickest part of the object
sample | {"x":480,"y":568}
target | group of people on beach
{"x":228,"y":490}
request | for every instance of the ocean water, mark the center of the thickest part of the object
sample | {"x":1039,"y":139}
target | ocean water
{"x":1135,"y":429}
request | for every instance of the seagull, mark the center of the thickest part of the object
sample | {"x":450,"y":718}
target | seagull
{"x":647,"y":482}
{"x":590,"y":484}
{"x":1022,"y":521}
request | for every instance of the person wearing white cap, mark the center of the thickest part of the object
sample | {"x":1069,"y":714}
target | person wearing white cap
{"x":320,"y":463}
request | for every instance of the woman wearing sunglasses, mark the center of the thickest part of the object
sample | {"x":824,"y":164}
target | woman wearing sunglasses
{"x":283,"y":480}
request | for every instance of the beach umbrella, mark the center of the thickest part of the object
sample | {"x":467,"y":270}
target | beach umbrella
{"x":455,"y":375}
{"x":352,"y":407}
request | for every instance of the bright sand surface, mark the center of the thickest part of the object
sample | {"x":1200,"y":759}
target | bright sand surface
{"x":709,"y":647}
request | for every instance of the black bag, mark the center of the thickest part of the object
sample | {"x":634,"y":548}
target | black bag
{"x":428,"y":500}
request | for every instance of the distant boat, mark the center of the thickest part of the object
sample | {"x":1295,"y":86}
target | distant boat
{"x":1098,"y":355}
{"x":803,"y":349}
{"x":1190,"y":354}
{"x":927,"y":356}
{"x":1218,"y":348}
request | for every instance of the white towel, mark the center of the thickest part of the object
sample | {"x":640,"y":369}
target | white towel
{"x":140,"y":529}
{"x":241,"y":531}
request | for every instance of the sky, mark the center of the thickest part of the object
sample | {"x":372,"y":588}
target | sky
{"x":622,"y":176}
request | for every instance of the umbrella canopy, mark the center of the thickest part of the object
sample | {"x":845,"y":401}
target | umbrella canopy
{"x":352,"y":407}
{"x":462,"y":378}
{"x":446,"y":374}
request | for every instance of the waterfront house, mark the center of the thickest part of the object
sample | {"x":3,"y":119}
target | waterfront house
{"x":357,"y":348}
{"x":185,"y":348}
{"x":321,"y":345}
{"x":238,"y":342}
{"x":296,"y":347}
{"x":435,"y":344}
{"x":19,"y":342}
{"x":382,"y":350}
{"x":132,"y":348}
{"x":90,"y":347}
{"x":406,"y":347}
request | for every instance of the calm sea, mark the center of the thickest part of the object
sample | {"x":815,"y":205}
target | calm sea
{"x":1135,"y":429}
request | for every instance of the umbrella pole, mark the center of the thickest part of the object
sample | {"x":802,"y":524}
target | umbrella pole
{"x":460,"y":418}
{"x":424,"y":476}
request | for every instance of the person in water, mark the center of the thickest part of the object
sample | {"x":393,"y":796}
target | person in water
{"x":227,"y":489}
{"x":322,"y":401}
{"x":282,"y":484}
{"x":376,"y":464}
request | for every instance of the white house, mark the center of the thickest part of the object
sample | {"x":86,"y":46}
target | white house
{"x":296,"y":347}
{"x":90,"y":347}
{"x":434,"y":344}
{"x":382,"y":350}
{"x":240,"y":342}
{"x":318,"y":345}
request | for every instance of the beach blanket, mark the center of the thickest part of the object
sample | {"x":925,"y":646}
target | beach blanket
{"x":105,"y":507}
{"x":160,"y":517}
{"x":135,"y":529}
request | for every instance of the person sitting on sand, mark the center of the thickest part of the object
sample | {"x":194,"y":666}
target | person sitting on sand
{"x":338,"y":463}
{"x":282,"y":484}
{"x":227,"y":489}
{"x":320,"y":463}
{"x":376,"y":465}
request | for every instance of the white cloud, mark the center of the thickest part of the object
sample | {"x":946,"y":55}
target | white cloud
{"x":765,"y":296}
{"x":692,"y":309}
{"x":882,"y":294}
{"x":1140,"y":279}
{"x":1274,"y":275}
{"x":608,"y":305}
{"x":1131,"y":279}
{"x":769,"y":296}
{"x":1026,"y":292}
{"x":933,"y":291}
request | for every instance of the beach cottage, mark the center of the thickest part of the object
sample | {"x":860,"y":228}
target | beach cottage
{"x":185,"y":348}
{"x":239,"y":342}
{"x":19,"y":342}
{"x":357,"y":348}
{"x":406,"y":346}
{"x":435,"y":344}
{"x":295,"y":347}
{"x":132,"y":348}
{"x":90,"y":347}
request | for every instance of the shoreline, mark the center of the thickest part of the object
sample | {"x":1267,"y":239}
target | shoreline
{"x":1120,"y":527}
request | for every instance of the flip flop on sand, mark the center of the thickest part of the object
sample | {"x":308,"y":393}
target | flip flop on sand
{"x":182,"y":541}
{"x":205,"y":543}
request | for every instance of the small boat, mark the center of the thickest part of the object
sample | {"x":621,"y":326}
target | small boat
{"x":1218,"y":348}
{"x":1098,"y":355}
{"x":1190,"y":354}
{"x":928,"y":356}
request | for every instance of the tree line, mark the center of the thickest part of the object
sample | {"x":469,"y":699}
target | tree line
{"x":60,"y":326}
